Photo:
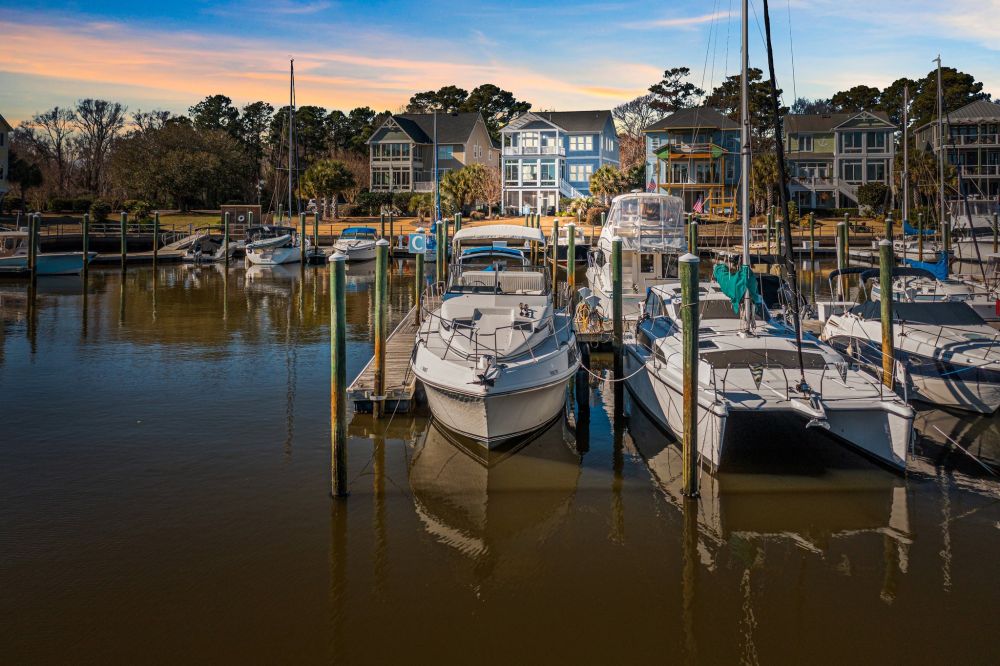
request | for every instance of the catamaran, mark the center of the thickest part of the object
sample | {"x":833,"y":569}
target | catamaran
{"x":493,"y":351}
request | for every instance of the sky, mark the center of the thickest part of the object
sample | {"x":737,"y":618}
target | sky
{"x":558,"y":55}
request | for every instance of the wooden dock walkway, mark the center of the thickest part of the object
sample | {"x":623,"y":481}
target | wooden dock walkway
{"x":400,"y":383}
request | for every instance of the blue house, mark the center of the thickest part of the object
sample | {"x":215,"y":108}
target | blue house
{"x":694,"y":154}
{"x":548,"y":155}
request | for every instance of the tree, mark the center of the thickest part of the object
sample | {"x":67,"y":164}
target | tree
{"x":726,"y":98}
{"x":50,"y":133}
{"x":498,"y":107}
{"x":99,"y":123}
{"x":24,"y":175}
{"x":216,"y":112}
{"x":631,"y":119}
{"x":858,"y":98}
{"x":891,"y":99}
{"x":327,"y":178}
{"x":459,"y":187}
{"x":804,"y":105}
{"x":608,"y":182}
{"x":873,"y":195}
{"x":763,"y":181}
{"x":145,"y":121}
{"x":485,"y":183}
{"x":959,"y":89}
{"x":449,"y":99}
{"x":254,"y":122}
{"x":673,"y":92}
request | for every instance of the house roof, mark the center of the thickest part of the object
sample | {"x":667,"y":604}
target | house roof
{"x":979,"y":111}
{"x":825,"y":122}
{"x":695,"y":117}
{"x":574,"y":121}
{"x":451,"y":127}
{"x":4,"y":125}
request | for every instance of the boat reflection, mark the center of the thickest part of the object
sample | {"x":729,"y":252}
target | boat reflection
{"x":479,"y":502}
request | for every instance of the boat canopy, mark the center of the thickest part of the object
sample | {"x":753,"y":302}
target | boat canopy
{"x":359,"y":231}
{"x":898,"y":271}
{"x":936,"y":313}
{"x":498,"y":232}
{"x":648,"y":222}
{"x":486,"y":250}
{"x":938,"y":269}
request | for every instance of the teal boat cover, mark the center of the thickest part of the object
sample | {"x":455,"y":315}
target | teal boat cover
{"x":938,"y":270}
{"x":736,"y":285}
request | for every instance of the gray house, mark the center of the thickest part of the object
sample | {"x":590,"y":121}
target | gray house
{"x":401,"y":150}
{"x":831,"y":154}
{"x":972,"y":144}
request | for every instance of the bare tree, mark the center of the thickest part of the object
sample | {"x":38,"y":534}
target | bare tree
{"x":632,"y":118}
{"x":50,"y":135}
{"x":100,"y":122}
{"x":491,"y":188}
{"x":145,"y":121}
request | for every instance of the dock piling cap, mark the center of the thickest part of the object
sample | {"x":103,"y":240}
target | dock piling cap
{"x":689,"y":258}
{"x":884,"y":241}
{"x":381,"y":241}
{"x":337,"y":256}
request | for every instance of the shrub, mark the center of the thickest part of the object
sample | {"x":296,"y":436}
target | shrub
{"x":477,"y":215}
{"x":401,"y":201}
{"x":59,"y":205}
{"x":12,"y":203}
{"x":793,"y":212}
{"x":100,"y":210}
{"x":82,"y":204}
{"x":873,"y":196}
{"x":372,"y":203}
{"x":594,"y":214}
{"x":138,"y":209}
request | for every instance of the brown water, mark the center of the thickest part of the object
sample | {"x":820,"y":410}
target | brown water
{"x":164,"y":472}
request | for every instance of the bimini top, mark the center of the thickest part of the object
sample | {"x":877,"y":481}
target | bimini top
{"x":498,"y":232}
{"x":358,"y":231}
{"x":486,"y":250}
{"x":648,"y":221}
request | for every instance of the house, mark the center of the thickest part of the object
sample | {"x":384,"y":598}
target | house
{"x":548,"y":155}
{"x":5,"y":130}
{"x":830,"y":154}
{"x":401,"y":149}
{"x":972,"y":144}
{"x":694,"y":154}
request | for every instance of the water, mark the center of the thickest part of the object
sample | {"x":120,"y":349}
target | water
{"x":164,"y":477}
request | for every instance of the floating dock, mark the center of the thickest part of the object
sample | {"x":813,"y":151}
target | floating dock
{"x":400,"y":382}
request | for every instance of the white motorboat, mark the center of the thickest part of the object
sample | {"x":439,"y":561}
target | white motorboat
{"x":924,"y":282}
{"x":14,"y":257}
{"x":493,"y":352}
{"x":749,"y":378}
{"x":208,"y":246}
{"x":358,"y":243}
{"x":272,"y":246}
{"x":949,"y":355}
{"x":651,"y":229}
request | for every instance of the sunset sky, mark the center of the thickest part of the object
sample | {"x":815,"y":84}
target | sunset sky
{"x":557,"y":55}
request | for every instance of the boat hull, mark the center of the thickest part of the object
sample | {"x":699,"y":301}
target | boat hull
{"x":273,"y":256}
{"x":50,"y":263}
{"x":493,"y":418}
{"x":357,"y":253}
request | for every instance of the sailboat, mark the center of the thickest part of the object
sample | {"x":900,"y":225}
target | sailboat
{"x":755,"y":371}
{"x":271,"y":245}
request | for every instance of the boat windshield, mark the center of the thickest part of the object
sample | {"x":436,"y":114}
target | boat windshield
{"x":359,"y":234}
{"x":498,"y":277}
{"x":648,"y":222}
{"x":260,"y":233}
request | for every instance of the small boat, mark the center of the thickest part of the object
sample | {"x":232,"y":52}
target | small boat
{"x":14,"y":257}
{"x":949,"y":355}
{"x":271,"y":246}
{"x":358,"y":243}
{"x":580,"y":245}
{"x":209,"y":246}
{"x":493,"y":352}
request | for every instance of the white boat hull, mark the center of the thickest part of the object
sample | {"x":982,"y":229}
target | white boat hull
{"x":274,"y":256}
{"x":365,"y":253}
{"x":49,"y":263}
{"x":493,"y":418}
{"x":952,"y":391}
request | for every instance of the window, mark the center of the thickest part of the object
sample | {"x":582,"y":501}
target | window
{"x":876,"y":172}
{"x":380,"y":179}
{"x":529,"y":173}
{"x":510,"y":173}
{"x":548,"y":172}
{"x":679,"y":172}
{"x":400,"y":179}
{"x":581,"y":143}
{"x":529,"y":142}
{"x":804,"y":143}
{"x":852,"y":142}
{"x":645,"y":263}
{"x":446,"y":152}
{"x":580,"y":173}
{"x":876,"y":142}
{"x":655,"y":143}
{"x":851,"y":171}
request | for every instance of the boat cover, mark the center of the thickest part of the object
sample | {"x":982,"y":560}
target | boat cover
{"x":735,"y":285}
{"x":492,"y":232}
{"x":911,"y":231}
{"x":359,"y":230}
{"x":939,"y":269}
{"x":936,"y":313}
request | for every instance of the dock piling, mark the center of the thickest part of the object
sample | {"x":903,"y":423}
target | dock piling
{"x":124,"y":243}
{"x":156,"y":235}
{"x":812,"y":256}
{"x":225,"y":237}
{"x":381,"y":225}
{"x":418,"y":280}
{"x":85,"y":233}
{"x":885,"y":285}
{"x":440,"y":251}
{"x":996,"y":233}
{"x":34,"y":222}
{"x":338,"y":376}
{"x":392,"y":233}
{"x":302,"y":238}
{"x":571,"y":259}
{"x":616,"y":302}
{"x":693,"y":236}
{"x":316,"y":231}
{"x":381,"y":293}
{"x":770,"y":226}
{"x":555,"y":259}
{"x":888,"y":226}
{"x":842,"y":253}
{"x":946,"y":236}
{"x":688,"y":265}
{"x":920,"y":237}
{"x":458,"y":222}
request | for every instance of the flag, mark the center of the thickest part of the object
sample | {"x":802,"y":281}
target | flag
{"x":652,"y":186}
{"x":699,"y":205}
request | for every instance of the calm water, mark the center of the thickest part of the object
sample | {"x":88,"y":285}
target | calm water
{"x":164,"y":476}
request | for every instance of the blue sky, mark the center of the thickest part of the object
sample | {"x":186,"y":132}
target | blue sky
{"x":558,"y":55}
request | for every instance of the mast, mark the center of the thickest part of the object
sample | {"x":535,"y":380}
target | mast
{"x":941,"y":152}
{"x":906,"y":159}
{"x":291,"y":135}
{"x":745,"y":153}
{"x":437,"y":192}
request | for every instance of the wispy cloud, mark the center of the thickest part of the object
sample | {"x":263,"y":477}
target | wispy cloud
{"x":676,"y":21}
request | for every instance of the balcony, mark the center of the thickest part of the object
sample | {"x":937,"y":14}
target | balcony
{"x":533,"y":151}
{"x":692,"y":149}
{"x":979,"y":170}
{"x":964,"y":140}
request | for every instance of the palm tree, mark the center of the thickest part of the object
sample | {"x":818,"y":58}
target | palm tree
{"x":763,"y":181}
{"x":327,"y":178}
{"x":459,"y":186}
{"x":608,"y":182}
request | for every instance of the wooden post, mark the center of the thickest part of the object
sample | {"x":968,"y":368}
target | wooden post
{"x":996,"y":233}
{"x":156,"y":235}
{"x":946,"y":236}
{"x":688,"y":265}
{"x":458,"y":222}
{"x":885,"y":286}
{"x":302,"y":238}
{"x":527,"y":219}
{"x":555,"y":261}
{"x":316,"y":232}
{"x":225,"y":236}
{"x":812,"y":256}
{"x":281,"y":214}
{"x":418,"y":280}
{"x":571,"y":260}
{"x":392,"y":232}
{"x":124,"y":243}
{"x":381,"y":293}
{"x":249,"y":221}
{"x":693,"y":236}
{"x":770,"y":225}
{"x":888,"y":226}
{"x":34,"y":222}
{"x":338,"y":376}
{"x":616,"y":300}
{"x":85,"y":232}
{"x":381,"y":225}
{"x":842,"y":255}
{"x":920,"y":237}
{"x":441,"y":252}
{"x":603,"y":216}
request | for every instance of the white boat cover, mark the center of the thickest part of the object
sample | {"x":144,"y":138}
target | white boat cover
{"x":498,"y":232}
{"x":270,"y":242}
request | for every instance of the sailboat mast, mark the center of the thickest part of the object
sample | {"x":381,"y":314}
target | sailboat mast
{"x":745,"y":134}
{"x":906,"y":158}
{"x":941,"y":153}
{"x":291,"y":136}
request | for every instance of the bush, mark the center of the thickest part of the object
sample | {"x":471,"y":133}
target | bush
{"x":793,"y":212}
{"x":477,"y":215}
{"x":138,"y":209}
{"x":372,"y":203}
{"x":401,"y":201}
{"x":594,"y":214}
{"x":12,"y":204}
{"x":59,"y":205}
{"x":100,"y":210}
{"x":82,"y":204}
{"x":873,"y":196}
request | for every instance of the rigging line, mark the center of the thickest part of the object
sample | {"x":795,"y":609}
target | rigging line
{"x":791,"y":48}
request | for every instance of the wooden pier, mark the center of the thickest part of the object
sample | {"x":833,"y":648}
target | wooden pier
{"x":400,"y":383}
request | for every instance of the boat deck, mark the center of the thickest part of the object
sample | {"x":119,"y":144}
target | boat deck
{"x":400,"y":383}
